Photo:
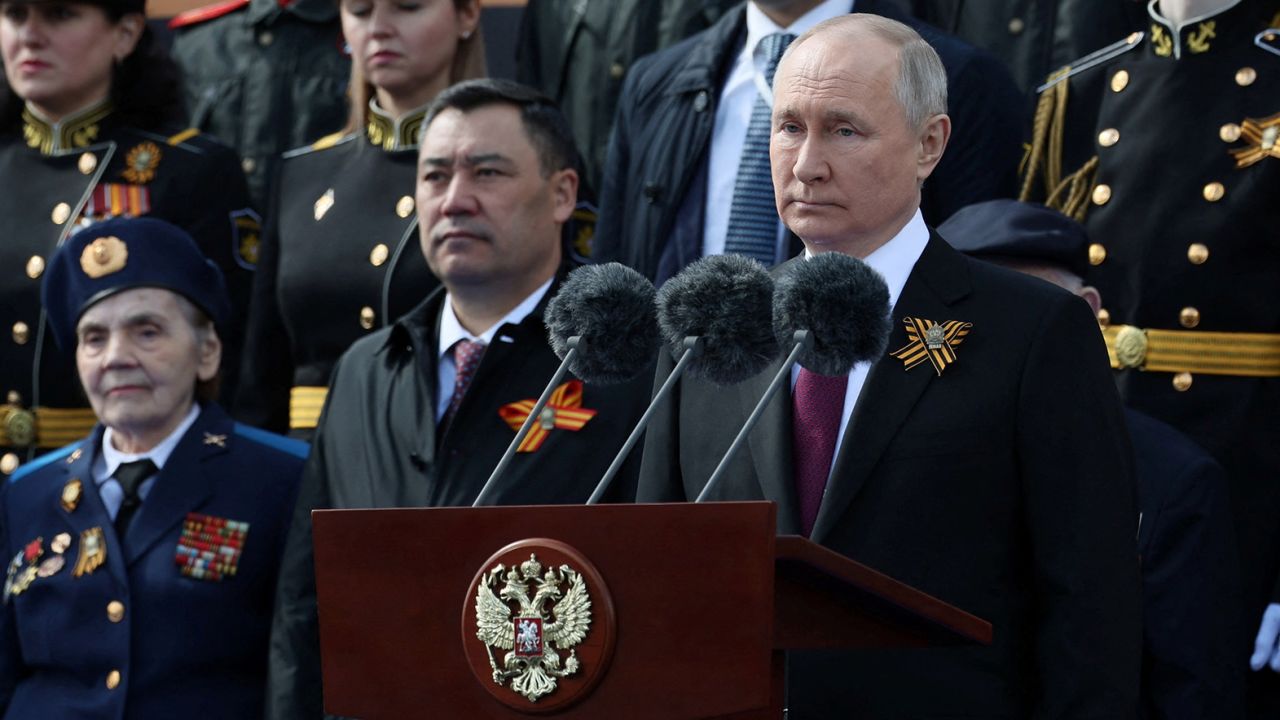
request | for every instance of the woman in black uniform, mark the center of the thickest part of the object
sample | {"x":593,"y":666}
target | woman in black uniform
{"x":87,"y":133}
{"x":341,"y":254}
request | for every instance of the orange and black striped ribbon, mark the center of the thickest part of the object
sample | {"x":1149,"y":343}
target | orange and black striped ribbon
{"x":564,"y":410}
{"x":917,"y":350}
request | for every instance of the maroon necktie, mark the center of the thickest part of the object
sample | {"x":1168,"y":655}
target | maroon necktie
{"x":817,"y":404}
{"x":466,"y":358}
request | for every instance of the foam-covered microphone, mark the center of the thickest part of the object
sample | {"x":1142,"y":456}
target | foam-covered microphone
{"x":714,"y":318}
{"x":602,"y":326}
{"x":833,"y":312}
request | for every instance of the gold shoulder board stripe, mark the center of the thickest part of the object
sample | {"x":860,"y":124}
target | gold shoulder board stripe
{"x":305,"y":404}
{"x":1094,"y":58}
{"x":327,"y":141}
{"x":184,"y":136}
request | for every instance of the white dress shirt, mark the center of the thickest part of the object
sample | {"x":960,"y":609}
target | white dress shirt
{"x":110,"y":459}
{"x":451,"y":331}
{"x":894,"y":261}
{"x":746,"y":82}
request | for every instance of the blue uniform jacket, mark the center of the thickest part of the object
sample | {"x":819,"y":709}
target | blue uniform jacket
{"x":143,"y":635}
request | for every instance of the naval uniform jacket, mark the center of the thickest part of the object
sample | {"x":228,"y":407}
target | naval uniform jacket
{"x":89,"y":168}
{"x":1002,"y":486}
{"x":1187,"y":237}
{"x":654,"y":189}
{"x":378,"y":445}
{"x":341,"y":258}
{"x":136,"y":638}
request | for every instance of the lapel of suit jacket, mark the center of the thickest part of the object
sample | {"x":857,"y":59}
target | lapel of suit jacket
{"x":90,"y":512}
{"x":183,"y":485}
{"x":940,"y":278}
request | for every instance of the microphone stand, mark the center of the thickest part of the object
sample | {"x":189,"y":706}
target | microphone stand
{"x":576,"y":344}
{"x":803,"y":340}
{"x":693,"y":347}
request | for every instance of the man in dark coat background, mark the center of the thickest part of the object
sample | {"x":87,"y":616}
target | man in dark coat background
{"x":419,"y":413}
{"x":994,"y":473}
{"x":658,"y":178}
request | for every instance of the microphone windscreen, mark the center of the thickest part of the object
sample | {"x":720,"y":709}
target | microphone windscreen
{"x":727,"y":300}
{"x":611,"y":307}
{"x":842,"y":302}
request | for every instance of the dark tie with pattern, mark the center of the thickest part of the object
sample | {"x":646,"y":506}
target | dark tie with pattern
{"x":130,"y":475}
{"x":467,"y":355}
{"x":817,"y":408}
{"x":753,"y":217}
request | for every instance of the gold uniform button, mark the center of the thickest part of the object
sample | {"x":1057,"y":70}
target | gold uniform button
{"x":61,"y":213}
{"x":266,"y":39}
{"x":617,"y":70}
{"x":1101,"y":194}
{"x":1108,"y":137}
{"x":1197,"y":253}
{"x":1182,"y":381}
{"x":1189,"y":317}
{"x":404,"y":206}
{"x":1016,"y":26}
{"x":15,"y":397}
{"x":8,"y":464}
{"x":87,"y":164}
{"x":1229,"y":132}
{"x":378,"y":255}
{"x":1214,"y":191}
{"x":1245,"y":76}
{"x":35,"y":267}
{"x":21,"y":333}
{"x":1097,"y":253}
{"x":1120,"y":81}
{"x":113,"y":679}
{"x":1104,"y":317}
{"x":115,"y":611}
{"x":248,"y":165}
{"x":366,"y":317}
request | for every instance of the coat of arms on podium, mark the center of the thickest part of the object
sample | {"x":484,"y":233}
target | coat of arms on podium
{"x":536,"y":615}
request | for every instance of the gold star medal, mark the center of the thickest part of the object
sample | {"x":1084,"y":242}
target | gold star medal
{"x":931,"y":341}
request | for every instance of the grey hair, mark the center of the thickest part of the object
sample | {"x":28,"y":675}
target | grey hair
{"x":921,"y":87}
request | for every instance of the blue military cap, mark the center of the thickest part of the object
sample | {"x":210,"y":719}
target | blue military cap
{"x":1013,"y":230}
{"x":124,"y":253}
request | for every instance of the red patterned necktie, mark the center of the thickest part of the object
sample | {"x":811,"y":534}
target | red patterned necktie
{"x":466,"y":358}
{"x":817,"y":405}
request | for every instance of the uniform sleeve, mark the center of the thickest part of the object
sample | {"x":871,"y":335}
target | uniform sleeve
{"x":266,"y":364}
{"x":1076,"y":465}
{"x":293,"y":673}
{"x":1190,"y":574}
{"x":981,"y":159}
{"x":12,"y":667}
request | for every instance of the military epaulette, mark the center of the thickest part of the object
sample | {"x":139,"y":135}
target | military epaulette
{"x":1269,"y":40}
{"x":183,"y":136}
{"x":1093,"y":59}
{"x":289,"y":446}
{"x":44,"y":460}
{"x":206,"y":13}
{"x":323,"y":143}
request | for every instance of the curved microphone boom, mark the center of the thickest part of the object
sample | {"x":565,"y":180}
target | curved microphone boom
{"x":833,"y":310}
{"x":602,"y":326}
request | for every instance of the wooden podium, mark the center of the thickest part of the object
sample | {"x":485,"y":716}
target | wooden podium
{"x":692,"y":608}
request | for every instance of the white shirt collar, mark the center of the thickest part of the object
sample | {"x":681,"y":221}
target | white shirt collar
{"x":158,"y":454}
{"x":759,"y":25}
{"x":451,"y":331}
{"x":895,"y":259}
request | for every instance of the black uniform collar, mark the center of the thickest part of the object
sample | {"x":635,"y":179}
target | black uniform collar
{"x":77,"y":130}
{"x":1232,"y":27}
{"x":391,"y":133}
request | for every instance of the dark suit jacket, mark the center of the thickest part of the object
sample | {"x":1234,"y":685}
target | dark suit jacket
{"x":654,"y":186}
{"x":1003,"y":486}
{"x":184,"y":646}
{"x":378,"y":445}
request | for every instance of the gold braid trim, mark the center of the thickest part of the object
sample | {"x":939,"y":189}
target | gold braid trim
{"x":1078,"y":187}
{"x":1050,"y":108}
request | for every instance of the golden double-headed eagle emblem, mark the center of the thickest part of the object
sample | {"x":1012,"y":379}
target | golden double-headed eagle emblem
{"x":535,"y":615}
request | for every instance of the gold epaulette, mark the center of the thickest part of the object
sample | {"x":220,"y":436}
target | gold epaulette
{"x":327,"y":141}
{"x":183,"y":136}
{"x":305,"y":405}
{"x":324,"y":143}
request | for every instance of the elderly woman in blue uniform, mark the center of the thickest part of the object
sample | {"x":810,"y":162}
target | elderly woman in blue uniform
{"x":340,"y":255}
{"x":87,"y":133}
{"x":142,"y":560}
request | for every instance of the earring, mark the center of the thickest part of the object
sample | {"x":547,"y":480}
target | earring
{"x":466,"y":34}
